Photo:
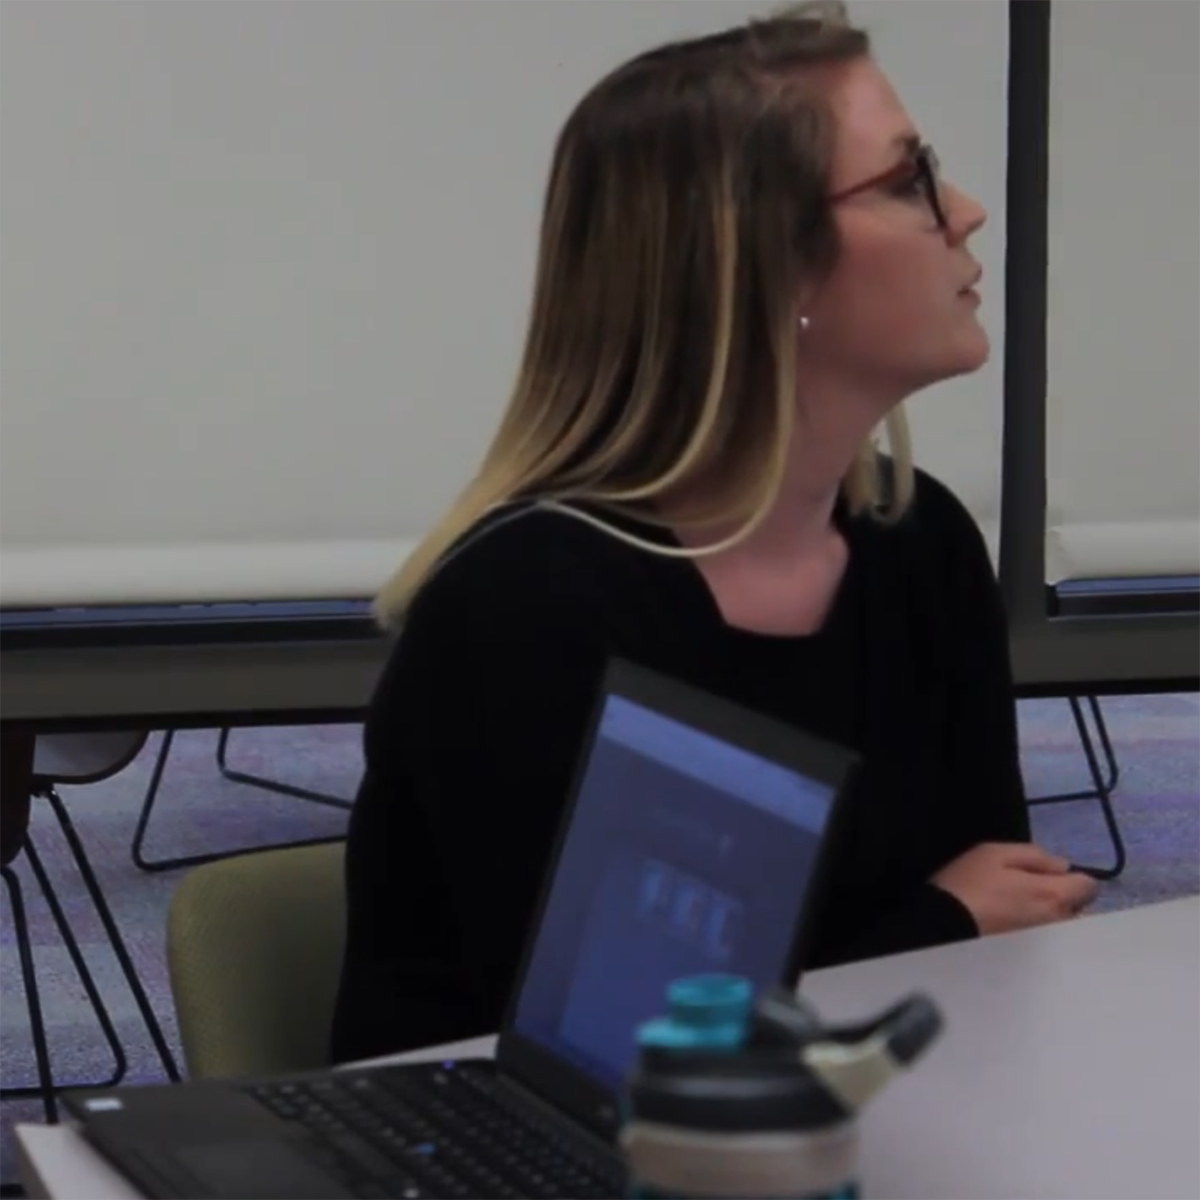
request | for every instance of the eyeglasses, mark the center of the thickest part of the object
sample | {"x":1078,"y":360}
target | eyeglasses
{"x":916,"y":175}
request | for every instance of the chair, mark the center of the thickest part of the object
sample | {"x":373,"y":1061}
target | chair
{"x":1103,"y":783}
{"x":254,"y":951}
{"x":137,"y":852}
{"x":33,"y":768}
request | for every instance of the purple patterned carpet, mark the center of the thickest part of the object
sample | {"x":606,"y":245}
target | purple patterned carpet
{"x":1156,"y":738}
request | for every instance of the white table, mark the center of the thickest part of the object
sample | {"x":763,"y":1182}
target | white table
{"x":1069,"y":1068}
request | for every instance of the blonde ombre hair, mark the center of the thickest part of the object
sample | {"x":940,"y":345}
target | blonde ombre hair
{"x":686,"y":208}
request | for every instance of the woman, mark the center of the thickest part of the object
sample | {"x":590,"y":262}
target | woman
{"x":747,"y":262}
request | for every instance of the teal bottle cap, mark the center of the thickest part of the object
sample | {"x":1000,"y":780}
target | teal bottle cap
{"x":706,"y":1012}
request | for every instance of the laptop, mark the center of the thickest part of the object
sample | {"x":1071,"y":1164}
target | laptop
{"x":695,"y":841}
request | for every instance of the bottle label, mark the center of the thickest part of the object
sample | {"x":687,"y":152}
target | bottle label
{"x":670,"y":1162}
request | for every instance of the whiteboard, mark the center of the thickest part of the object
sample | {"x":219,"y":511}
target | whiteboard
{"x":1123,"y":329}
{"x":266,"y":271}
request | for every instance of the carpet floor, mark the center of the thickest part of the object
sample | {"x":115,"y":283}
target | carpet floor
{"x":1156,"y":739}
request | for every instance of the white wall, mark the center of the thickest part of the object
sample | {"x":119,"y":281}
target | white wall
{"x":1123,"y":396}
{"x":266,"y":269}
{"x":950,"y":60}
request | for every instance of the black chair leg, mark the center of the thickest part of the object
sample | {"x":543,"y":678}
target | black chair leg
{"x":271,"y":785}
{"x":37,"y":1022}
{"x":34,"y":1007}
{"x":139,"y":832}
{"x":1113,"y":772}
{"x":99,"y":1008}
{"x":137,"y":852}
{"x":1104,"y":780}
{"x":116,"y":941}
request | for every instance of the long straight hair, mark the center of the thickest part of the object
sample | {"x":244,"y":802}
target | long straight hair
{"x":686,"y":208}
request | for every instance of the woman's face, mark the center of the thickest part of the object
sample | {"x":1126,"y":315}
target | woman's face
{"x":899,"y":311}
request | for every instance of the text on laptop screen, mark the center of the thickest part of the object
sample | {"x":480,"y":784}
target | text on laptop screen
{"x":685,"y":855}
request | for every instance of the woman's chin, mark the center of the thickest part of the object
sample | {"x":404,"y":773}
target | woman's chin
{"x":973,"y":351}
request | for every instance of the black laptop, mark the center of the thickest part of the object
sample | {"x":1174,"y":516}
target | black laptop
{"x":693,"y":843}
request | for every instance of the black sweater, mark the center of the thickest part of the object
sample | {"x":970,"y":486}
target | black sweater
{"x":477,"y":721}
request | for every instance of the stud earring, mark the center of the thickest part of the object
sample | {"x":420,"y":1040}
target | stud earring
{"x":804,"y":323}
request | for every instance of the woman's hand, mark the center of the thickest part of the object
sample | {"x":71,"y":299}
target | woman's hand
{"x":1009,"y":886}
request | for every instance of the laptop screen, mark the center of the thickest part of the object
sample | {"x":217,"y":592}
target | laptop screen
{"x":685,"y":854}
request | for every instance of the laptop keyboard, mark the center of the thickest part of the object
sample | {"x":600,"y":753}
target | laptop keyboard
{"x":434,"y":1132}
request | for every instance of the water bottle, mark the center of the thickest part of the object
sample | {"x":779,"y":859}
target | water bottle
{"x":736,"y":1098}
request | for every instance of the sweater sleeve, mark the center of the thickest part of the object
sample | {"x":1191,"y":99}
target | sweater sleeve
{"x":984,"y":745}
{"x":989,"y":804}
{"x":988,"y":801}
{"x":470,"y":744}
{"x":927,"y":917}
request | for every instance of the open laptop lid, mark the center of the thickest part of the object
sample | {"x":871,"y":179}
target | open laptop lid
{"x":695,"y":840}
